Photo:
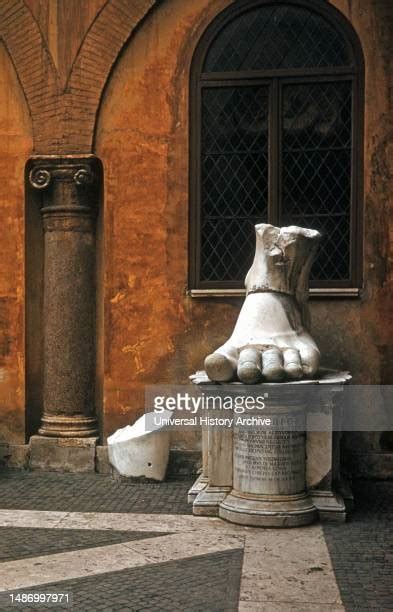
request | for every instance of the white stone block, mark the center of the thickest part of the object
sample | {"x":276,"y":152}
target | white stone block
{"x":137,"y":451}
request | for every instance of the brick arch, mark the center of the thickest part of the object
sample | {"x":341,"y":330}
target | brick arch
{"x":33,"y":63}
{"x":98,"y":53}
{"x":64,"y":120}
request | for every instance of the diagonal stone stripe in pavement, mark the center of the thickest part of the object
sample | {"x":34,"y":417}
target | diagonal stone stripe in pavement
{"x":23,"y":542}
{"x":117,"y":521}
{"x":31,"y":572}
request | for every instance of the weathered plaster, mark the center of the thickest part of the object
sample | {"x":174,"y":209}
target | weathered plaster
{"x":153,"y":332}
{"x":15,"y":148}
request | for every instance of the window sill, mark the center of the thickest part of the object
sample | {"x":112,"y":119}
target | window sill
{"x":327,"y":292}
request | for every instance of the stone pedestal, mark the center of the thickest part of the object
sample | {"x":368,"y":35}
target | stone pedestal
{"x":281,"y":476}
{"x":202,"y":480}
{"x":69,"y":187}
{"x":216,"y":482}
{"x":331,"y":495}
{"x":269,"y":469}
{"x":62,"y":454}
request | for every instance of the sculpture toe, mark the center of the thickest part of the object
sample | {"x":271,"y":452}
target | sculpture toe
{"x":249,"y":369}
{"x":310,"y":358}
{"x":220,"y":368}
{"x":273,"y":370}
{"x":292,"y":364}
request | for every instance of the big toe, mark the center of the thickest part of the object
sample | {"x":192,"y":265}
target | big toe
{"x":219,"y":367}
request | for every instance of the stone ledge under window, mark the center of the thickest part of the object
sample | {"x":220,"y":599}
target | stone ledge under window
{"x":341,"y":292}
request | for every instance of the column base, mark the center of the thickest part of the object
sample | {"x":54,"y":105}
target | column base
{"x":268,"y":510}
{"x":343,"y":488}
{"x":75,"y":426}
{"x":330,"y":506}
{"x":62,"y":454}
{"x":198,"y":486}
{"x":207,"y":503}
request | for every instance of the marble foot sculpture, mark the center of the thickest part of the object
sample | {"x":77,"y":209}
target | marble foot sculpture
{"x":270,"y":341}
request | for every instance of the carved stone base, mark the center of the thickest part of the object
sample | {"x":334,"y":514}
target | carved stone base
{"x":208,"y":501}
{"x":198,"y":486}
{"x":76,"y":426}
{"x":330,"y":506}
{"x":278,"y":479}
{"x":268,"y":511}
{"x":62,"y":454}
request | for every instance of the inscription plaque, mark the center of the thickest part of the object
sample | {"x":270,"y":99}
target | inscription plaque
{"x":270,"y":461}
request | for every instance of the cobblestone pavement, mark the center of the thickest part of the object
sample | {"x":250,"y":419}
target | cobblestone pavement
{"x":120,"y":545}
{"x":362,"y":550}
{"x":90,"y":493}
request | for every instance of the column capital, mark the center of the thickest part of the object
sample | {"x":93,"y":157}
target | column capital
{"x":68,"y":187}
{"x":81,"y":170}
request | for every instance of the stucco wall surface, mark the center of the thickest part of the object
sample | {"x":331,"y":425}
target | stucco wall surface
{"x":15,"y":148}
{"x":150,"y":331}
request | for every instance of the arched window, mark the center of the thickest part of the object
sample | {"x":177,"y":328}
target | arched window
{"x":276,"y":136}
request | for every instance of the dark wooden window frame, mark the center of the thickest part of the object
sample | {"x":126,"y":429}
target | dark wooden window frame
{"x":276,"y":79}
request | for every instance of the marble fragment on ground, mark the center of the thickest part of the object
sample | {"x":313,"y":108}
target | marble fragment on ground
{"x":139,"y":451}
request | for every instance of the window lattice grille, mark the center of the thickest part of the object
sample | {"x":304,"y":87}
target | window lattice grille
{"x":277,"y":141}
{"x":316,"y":169}
{"x":234,"y":187}
{"x":274,"y":37}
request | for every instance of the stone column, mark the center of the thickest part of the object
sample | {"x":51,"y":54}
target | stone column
{"x":69,"y":188}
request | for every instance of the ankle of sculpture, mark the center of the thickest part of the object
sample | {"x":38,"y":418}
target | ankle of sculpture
{"x":283,"y":259}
